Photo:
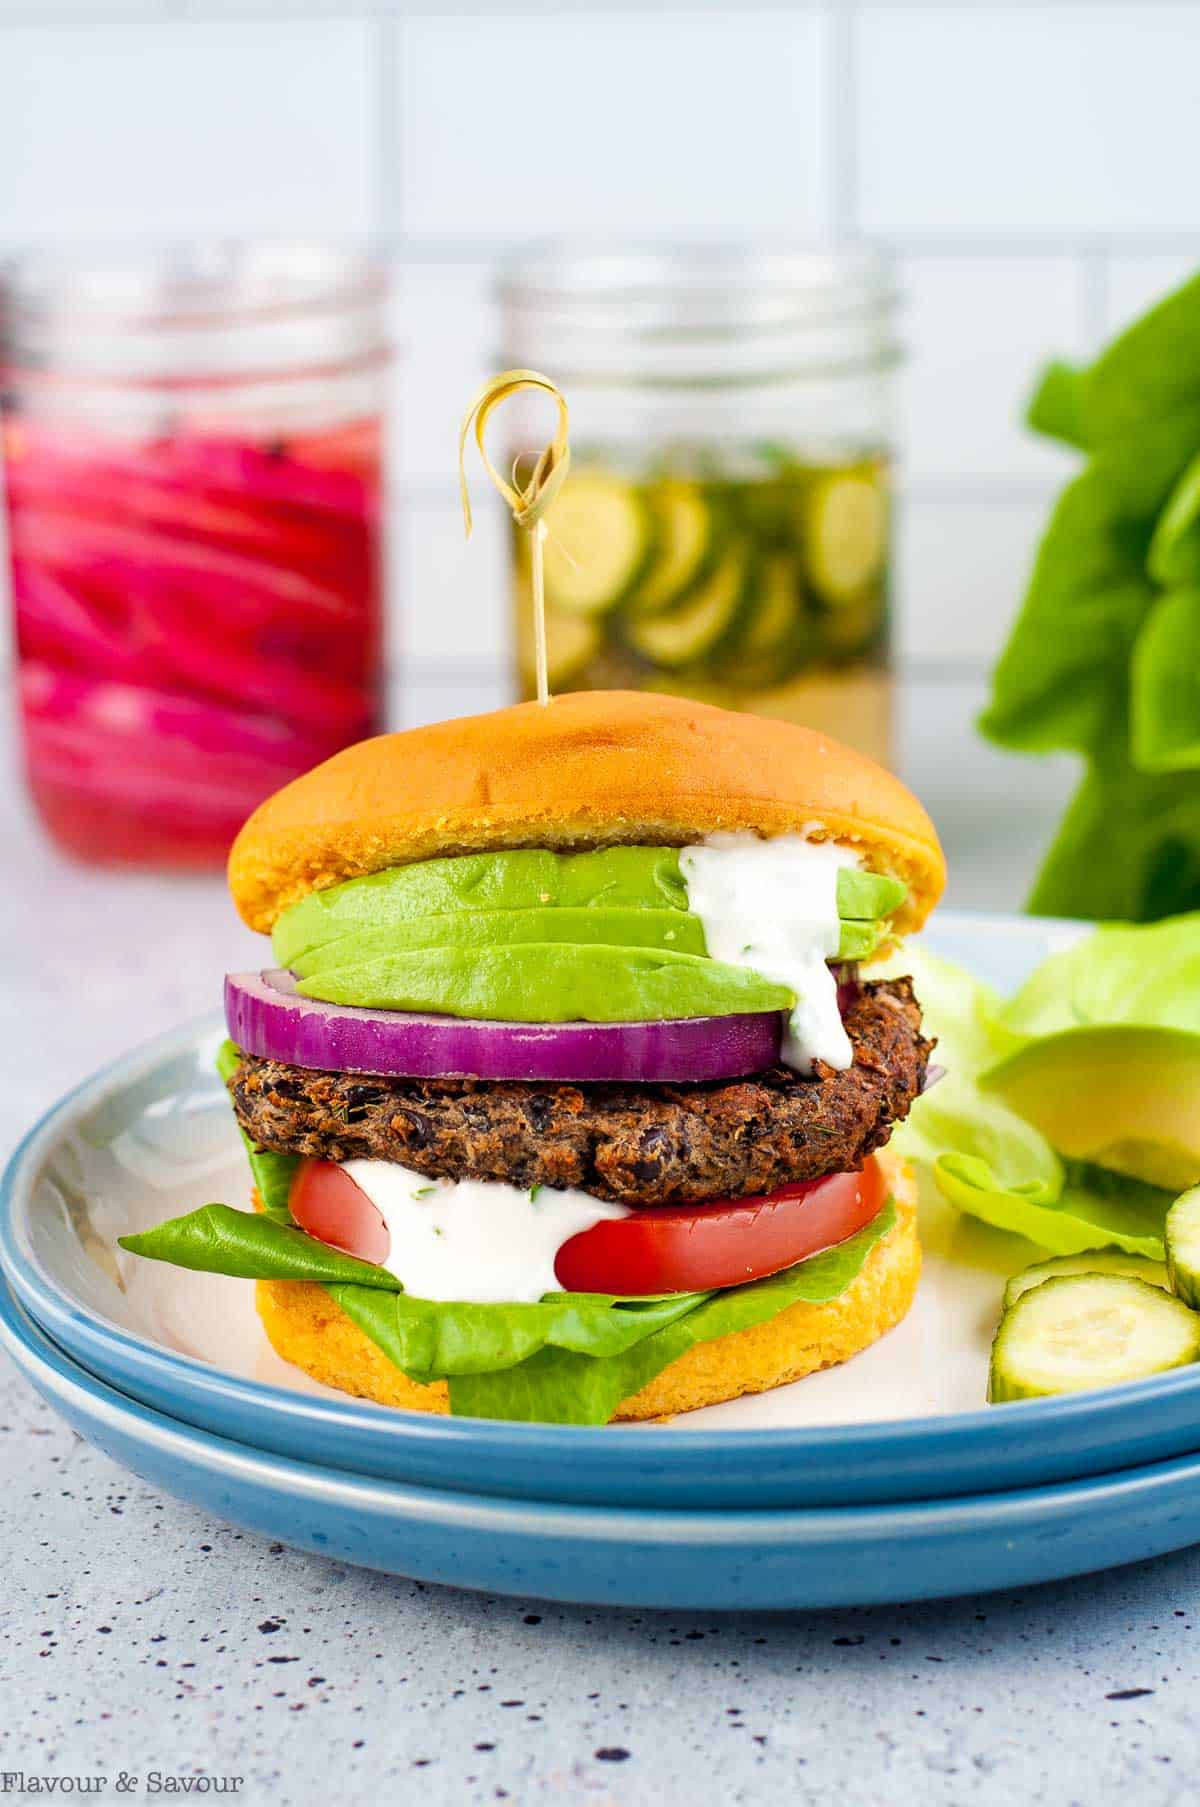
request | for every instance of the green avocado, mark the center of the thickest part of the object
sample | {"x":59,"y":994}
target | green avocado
{"x":637,"y":878}
{"x":1126,"y":1098}
{"x":867,"y":896}
{"x":550,"y":982}
{"x":610,"y":878}
{"x":859,"y":940}
{"x":482,"y":929}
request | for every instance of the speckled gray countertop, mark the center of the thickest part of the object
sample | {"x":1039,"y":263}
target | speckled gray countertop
{"x":140,"y":1638}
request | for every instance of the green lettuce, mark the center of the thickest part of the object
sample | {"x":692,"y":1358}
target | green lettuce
{"x":216,"y":1239}
{"x":1145,"y":976}
{"x":1103,"y":657}
{"x":1081,"y":1207}
{"x":569,"y":1359}
{"x":985,"y":1158}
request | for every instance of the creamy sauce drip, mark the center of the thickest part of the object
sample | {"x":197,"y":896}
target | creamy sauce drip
{"x":772,"y":905}
{"x":480,"y":1241}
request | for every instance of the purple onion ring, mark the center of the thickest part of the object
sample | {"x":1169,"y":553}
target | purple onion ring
{"x":266,"y":1016}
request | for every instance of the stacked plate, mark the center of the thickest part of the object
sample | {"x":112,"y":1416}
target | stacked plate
{"x":886,"y":1479}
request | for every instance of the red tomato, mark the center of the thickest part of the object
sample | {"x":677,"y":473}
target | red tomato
{"x":696,"y":1248}
{"x":326,"y":1202}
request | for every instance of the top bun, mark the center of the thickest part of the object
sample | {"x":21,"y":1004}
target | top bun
{"x":592,"y":769}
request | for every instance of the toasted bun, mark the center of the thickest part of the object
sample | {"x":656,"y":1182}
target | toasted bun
{"x":306,"y":1327}
{"x":592,"y":769}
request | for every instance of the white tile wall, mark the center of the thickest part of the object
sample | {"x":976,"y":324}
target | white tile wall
{"x":640,"y":123}
{"x":450,"y":591}
{"x":976,"y":329}
{"x":447,"y":333}
{"x":961,"y":568}
{"x":121,"y":130}
{"x":1029,"y":119}
{"x":1033,"y":165}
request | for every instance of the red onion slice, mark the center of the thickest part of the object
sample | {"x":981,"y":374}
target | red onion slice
{"x":266,"y":1016}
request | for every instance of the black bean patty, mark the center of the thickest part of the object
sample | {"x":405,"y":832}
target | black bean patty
{"x":637,"y":1144}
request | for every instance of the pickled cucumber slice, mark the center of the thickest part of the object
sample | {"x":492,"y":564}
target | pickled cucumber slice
{"x":1089,"y":1330}
{"x":698,"y":625}
{"x":684,"y":540}
{"x":774,"y":621}
{"x":600,"y":539}
{"x":571,"y":642}
{"x":845,"y":532}
{"x":1183,"y":1247}
{"x":1098,"y":1261}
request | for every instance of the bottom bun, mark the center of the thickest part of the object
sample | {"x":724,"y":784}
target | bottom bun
{"x":306,"y":1328}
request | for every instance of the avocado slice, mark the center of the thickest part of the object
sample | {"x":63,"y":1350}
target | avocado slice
{"x":1126,"y":1098}
{"x":859,"y":940}
{"x":867,"y":896}
{"x":550,"y":982}
{"x":401,"y":903}
{"x":672,"y":929}
{"x":524,"y":879}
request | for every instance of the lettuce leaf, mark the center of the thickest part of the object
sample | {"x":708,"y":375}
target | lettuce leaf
{"x":1128,"y":847}
{"x":1101,"y":659}
{"x":1142,"y":975}
{"x":985,"y":1158}
{"x":1086,"y":1208}
{"x":216,"y":1239}
{"x":569,"y":1359}
{"x":586,"y":1362}
{"x":1063,"y":674}
{"x":1164,"y":704}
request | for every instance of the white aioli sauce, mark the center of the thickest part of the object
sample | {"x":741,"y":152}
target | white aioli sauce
{"x":772,"y":905}
{"x":475,"y":1240}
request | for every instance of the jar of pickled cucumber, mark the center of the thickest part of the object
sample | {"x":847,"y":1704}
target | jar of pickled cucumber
{"x":724,"y":531}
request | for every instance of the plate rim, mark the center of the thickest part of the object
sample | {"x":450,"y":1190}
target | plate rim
{"x":30,"y":1348}
{"x":49,"y":1307}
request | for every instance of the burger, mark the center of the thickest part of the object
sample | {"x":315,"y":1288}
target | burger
{"x":564,"y":1095}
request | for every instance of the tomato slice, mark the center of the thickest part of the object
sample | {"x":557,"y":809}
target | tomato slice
{"x":326,"y":1202}
{"x":664,"y":1249}
{"x":696,"y":1248}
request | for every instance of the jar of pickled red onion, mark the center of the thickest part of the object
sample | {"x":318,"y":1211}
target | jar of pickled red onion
{"x":193,"y":465}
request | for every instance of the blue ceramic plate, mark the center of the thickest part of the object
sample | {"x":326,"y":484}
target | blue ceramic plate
{"x":153,"y":1136}
{"x":603,"y":1555}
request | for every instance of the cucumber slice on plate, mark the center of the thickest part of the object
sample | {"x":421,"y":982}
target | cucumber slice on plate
{"x":1097,"y":1261}
{"x":695,"y":628}
{"x":1183,"y":1247}
{"x":1089,"y":1330}
{"x":600,"y":539}
{"x":684,"y":544}
{"x":845,"y":535}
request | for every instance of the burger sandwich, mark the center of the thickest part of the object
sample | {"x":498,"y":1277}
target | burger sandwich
{"x":563,"y":1096}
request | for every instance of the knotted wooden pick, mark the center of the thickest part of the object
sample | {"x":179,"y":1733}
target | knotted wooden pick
{"x":530,"y":502}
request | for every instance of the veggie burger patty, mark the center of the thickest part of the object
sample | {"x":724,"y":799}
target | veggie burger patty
{"x":635,"y":1144}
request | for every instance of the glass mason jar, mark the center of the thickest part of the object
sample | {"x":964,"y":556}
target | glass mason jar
{"x":193,"y":463}
{"x":724,"y":532}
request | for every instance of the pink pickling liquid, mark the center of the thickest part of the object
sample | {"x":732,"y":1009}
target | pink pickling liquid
{"x":198,"y":621}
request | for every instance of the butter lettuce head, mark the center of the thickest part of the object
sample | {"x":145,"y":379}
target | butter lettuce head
{"x":992,"y":1163}
{"x":1104,"y":656}
{"x":1143,"y":975}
